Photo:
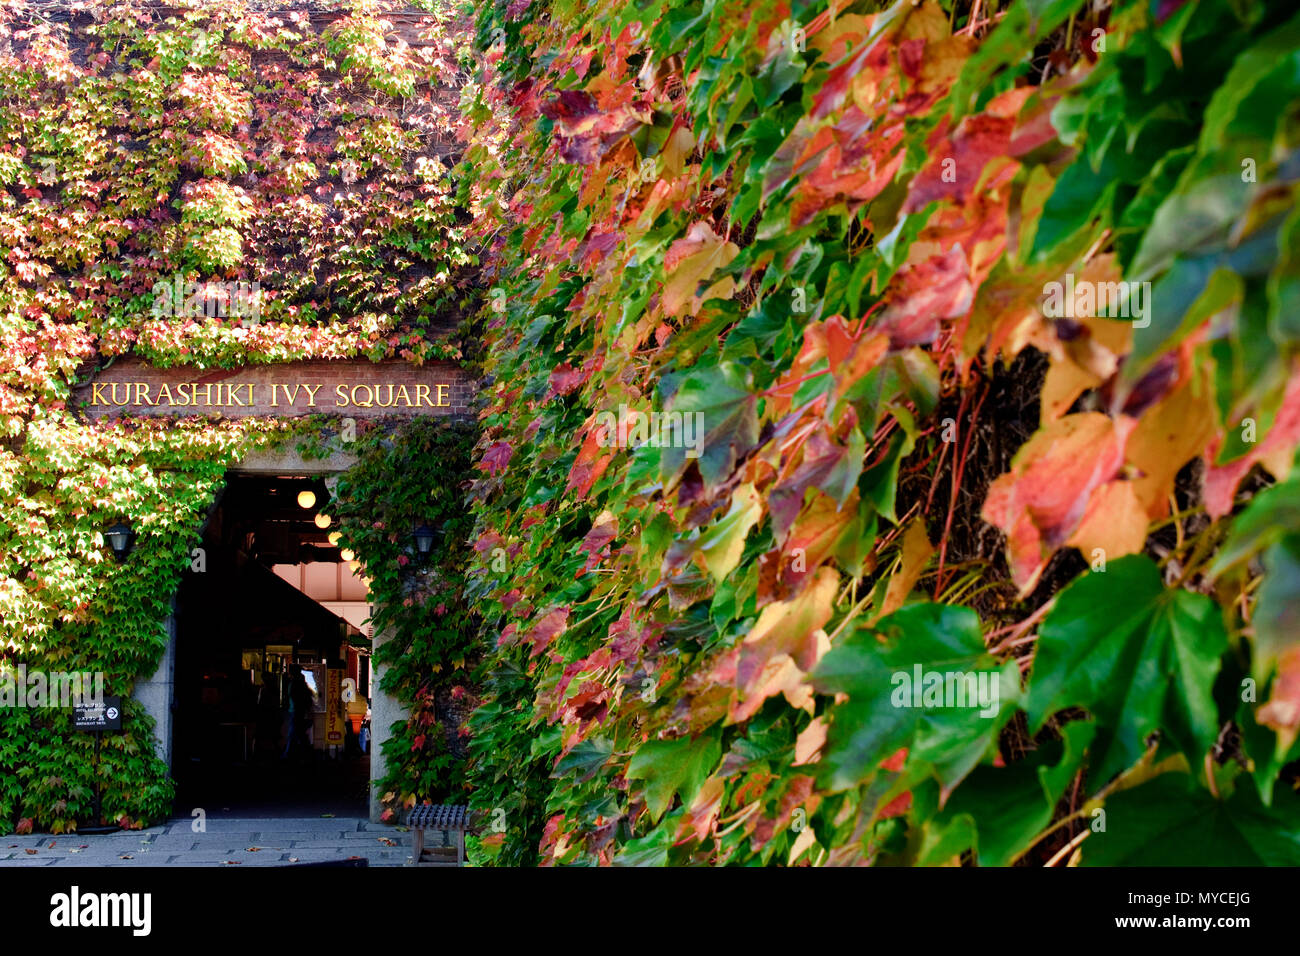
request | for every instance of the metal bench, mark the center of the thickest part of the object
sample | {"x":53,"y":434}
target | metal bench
{"x":448,"y":819}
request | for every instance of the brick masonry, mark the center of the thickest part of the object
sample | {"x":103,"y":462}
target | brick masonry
{"x":330,"y":387}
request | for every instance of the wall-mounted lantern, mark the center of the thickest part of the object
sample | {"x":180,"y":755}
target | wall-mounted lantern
{"x":120,"y":539}
{"x":424,"y":537}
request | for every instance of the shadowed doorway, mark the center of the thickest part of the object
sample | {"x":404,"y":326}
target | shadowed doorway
{"x":272,"y":662}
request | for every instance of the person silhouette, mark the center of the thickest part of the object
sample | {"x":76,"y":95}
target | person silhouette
{"x":300,"y":715}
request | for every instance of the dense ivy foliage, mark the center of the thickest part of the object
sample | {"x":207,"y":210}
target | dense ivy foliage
{"x":853,"y":237}
{"x":404,"y":480}
{"x":213,"y":146}
{"x":70,"y":607}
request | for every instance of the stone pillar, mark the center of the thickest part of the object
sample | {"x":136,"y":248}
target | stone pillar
{"x":156,"y":693}
{"x":384,"y":711}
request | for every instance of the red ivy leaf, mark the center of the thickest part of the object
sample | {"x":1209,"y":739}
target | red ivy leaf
{"x":550,"y":626}
{"x":925,"y":292}
{"x":565,"y":379}
{"x":496,"y":458}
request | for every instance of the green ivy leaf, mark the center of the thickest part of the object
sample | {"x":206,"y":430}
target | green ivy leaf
{"x":1139,"y":657}
{"x":1171,"y":822}
{"x":1009,"y":806}
{"x":1271,"y":515}
{"x":722,"y":542}
{"x":888,"y":708}
{"x":718,"y":397}
{"x":586,"y":757}
{"x":674,"y":767}
{"x":649,"y":850}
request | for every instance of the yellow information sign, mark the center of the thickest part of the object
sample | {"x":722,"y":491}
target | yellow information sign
{"x":334,"y":707}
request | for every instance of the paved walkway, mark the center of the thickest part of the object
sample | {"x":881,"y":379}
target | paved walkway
{"x":226,"y":842}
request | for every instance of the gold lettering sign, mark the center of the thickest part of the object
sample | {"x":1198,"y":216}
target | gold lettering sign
{"x":356,"y":388}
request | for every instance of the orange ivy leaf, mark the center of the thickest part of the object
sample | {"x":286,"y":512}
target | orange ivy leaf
{"x":688,"y":262}
{"x":1043,"y":499}
{"x":1274,"y":452}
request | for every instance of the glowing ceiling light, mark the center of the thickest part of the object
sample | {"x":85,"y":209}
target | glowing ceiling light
{"x":334,"y":538}
{"x":306,"y":499}
{"x":346,"y":555}
{"x":322,"y":520}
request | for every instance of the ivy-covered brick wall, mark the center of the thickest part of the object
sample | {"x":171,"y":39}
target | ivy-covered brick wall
{"x":211,"y":145}
{"x":841,"y":347}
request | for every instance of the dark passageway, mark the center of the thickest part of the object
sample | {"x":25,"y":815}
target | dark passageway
{"x":244,"y":633}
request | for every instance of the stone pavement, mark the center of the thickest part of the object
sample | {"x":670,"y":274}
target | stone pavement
{"x":226,"y":842}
